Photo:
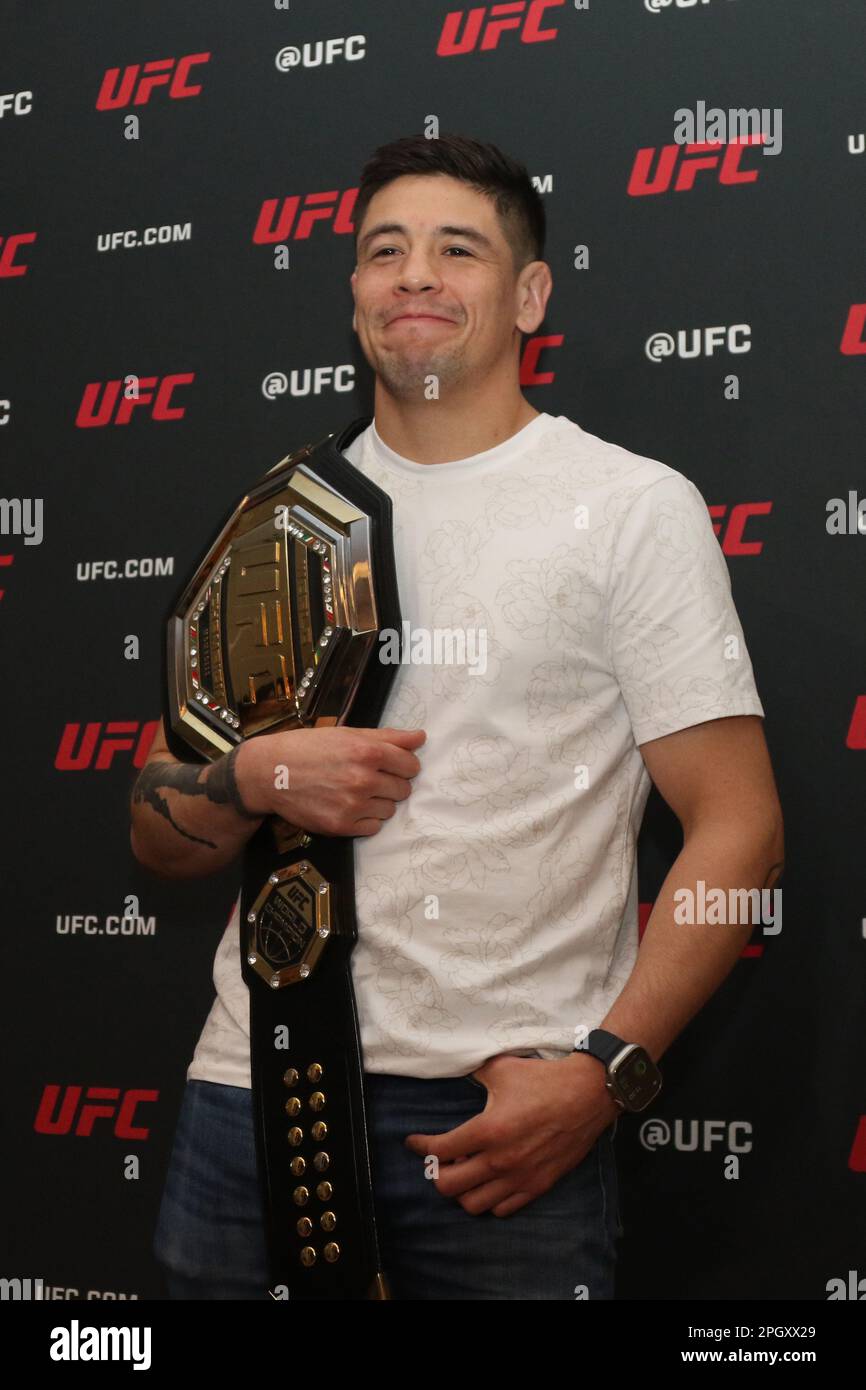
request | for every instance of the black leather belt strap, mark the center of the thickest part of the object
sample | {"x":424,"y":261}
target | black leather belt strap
{"x":308,"y":1098}
{"x":307,"y":1069}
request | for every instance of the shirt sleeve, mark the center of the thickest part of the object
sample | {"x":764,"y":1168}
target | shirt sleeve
{"x":675,"y":641}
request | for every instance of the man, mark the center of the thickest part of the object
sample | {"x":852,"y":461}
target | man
{"x":496,"y":811}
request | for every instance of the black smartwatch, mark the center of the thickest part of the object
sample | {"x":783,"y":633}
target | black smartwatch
{"x":633,"y":1079}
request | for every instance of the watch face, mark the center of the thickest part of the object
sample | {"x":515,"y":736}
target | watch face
{"x":638,"y":1079}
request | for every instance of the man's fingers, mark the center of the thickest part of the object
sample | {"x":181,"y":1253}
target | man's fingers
{"x":455,"y":1178}
{"x":378,"y":807}
{"x":395,"y":758}
{"x":513,"y":1203}
{"x":386,"y":784}
{"x":465,"y":1140}
{"x":405,"y":736}
{"x":486,"y":1197}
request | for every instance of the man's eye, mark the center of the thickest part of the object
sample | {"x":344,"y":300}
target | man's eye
{"x":382,"y":249}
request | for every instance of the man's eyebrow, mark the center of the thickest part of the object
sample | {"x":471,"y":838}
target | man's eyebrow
{"x":469,"y":233}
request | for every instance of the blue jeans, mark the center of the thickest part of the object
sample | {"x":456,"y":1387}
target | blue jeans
{"x":210,"y":1235}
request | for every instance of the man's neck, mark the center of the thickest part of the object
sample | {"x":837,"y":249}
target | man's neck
{"x":434,"y":432}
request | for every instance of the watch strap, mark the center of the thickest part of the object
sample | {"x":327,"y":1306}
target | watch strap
{"x":603,"y":1045}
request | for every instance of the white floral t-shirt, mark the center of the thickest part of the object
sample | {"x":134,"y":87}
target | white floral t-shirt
{"x":498,"y":908}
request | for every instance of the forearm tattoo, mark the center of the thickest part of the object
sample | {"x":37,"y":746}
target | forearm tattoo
{"x":220,"y":787}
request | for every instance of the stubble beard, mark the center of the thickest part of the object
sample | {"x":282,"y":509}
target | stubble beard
{"x":407,"y":375}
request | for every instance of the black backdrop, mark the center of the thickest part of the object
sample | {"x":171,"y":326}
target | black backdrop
{"x":116,"y":1010}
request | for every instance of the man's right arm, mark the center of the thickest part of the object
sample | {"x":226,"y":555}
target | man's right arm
{"x":188,"y":819}
{"x":192,"y":819}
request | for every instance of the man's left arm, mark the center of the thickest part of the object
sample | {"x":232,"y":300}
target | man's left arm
{"x":717,"y":779}
{"x":542,"y":1118}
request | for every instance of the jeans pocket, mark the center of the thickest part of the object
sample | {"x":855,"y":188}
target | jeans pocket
{"x":475,"y":1082}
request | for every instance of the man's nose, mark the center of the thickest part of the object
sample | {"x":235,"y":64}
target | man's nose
{"x":417,"y":271}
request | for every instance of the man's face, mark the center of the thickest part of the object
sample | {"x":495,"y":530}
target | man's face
{"x":431,"y":301}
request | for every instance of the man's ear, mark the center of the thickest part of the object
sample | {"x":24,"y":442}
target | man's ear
{"x":535,"y":292}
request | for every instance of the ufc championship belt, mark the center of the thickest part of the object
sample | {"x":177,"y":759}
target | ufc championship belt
{"x":278,"y":630}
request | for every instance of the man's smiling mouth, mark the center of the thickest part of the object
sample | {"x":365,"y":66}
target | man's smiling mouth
{"x":418,"y":318}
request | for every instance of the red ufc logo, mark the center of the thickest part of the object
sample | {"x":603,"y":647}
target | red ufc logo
{"x":856,"y":737}
{"x":529,"y":373}
{"x":100,"y":1104}
{"x":857,"y":1156}
{"x":119,"y":737}
{"x":277,"y":215}
{"x":94,"y":412}
{"x":8,"y":246}
{"x":117,"y":91}
{"x":5,"y":561}
{"x":688,"y":161}
{"x":489,"y":23}
{"x":732,"y":541}
{"x":853,"y":342}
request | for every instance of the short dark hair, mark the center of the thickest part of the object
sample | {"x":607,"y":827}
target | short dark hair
{"x":484,"y":166}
